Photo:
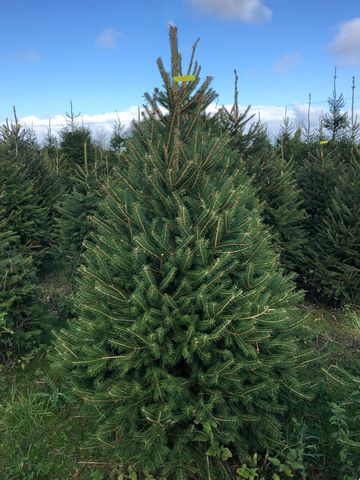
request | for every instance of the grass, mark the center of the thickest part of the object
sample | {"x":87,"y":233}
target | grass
{"x":336,"y":330}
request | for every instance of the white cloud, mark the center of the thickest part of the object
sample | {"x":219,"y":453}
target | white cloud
{"x":287,"y":62}
{"x":250,"y":11}
{"x":101,"y":125}
{"x":109,"y":38}
{"x":346,"y":44}
{"x":273,"y":116}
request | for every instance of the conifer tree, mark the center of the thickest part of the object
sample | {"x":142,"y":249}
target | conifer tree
{"x":27,"y":218}
{"x":248,"y":137}
{"x":276,"y":185}
{"x":73,"y":137}
{"x":56,"y":162}
{"x":274,"y":178}
{"x":25,"y":319}
{"x":23,"y":231}
{"x":186,"y":337}
{"x":335,"y":252}
{"x":74,"y":211}
{"x":317,"y":179}
{"x":117,"y":140}
{"x":21,"y":145}
{"x":336,"y":121}
{"x":289,"y":142}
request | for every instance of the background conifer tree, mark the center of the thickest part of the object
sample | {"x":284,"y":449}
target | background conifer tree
{"x":21,"y":145}
{"x":75,"y":140}
{"x":25,"y":317}
{"x":56,"y":163}
{"x":75,"y":210}
{"x":25,"y":215}
{"x":248,"y":137}
{"x":336,"y":122}
{"x":283,"y":213}
{"x":24,"y":232}
{"x":117,"y":140}
{"x":274,"y":178}
{"x":335,"y":252}
{"x":186,"y":337}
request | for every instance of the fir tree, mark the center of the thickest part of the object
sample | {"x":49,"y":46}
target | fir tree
{"x":288,"y":140}
{"x":75,"y":139}
{"x":26,"y":217}
{"x":274,"y":178}
{"x":317,"y":179}
{"x":25,"y":319}
{"x":55,"y":160}
{"x":275,"y":182}
{"x":74,"y":211}
{"x":21,"y":145}
{"x":186,"y":338}
{"x":335,"y":252}
{"x":117,"y":140}
{"x":248,"y":137}
{"x":336,"y":121}
{"x":23,"y":229}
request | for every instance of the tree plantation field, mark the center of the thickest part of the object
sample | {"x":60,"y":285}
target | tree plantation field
{"x":183,"y":304}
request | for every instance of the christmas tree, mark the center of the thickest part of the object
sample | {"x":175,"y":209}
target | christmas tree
{"x":117,"y":140}
{"x":336,"y":122}
{"x":274,"y":178}
{"x":75,"y":140}
{"x":249,"y":138}
{"x":335,"y":252}
{"x":275,"y":182}
{"x":20,"y":205}
{"x":24,"y":316}
{"x":186,"y":337}
{"x":74,"y":211}
{"x":21,"y":145}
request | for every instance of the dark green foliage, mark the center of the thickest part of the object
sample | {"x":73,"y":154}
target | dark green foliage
{"x":327,"y":428}
{"x":186,"y":338}
{"x":335,"y":254}
{"x":25,"y":317}
{"x":19,"y":205}
{"x":76,"y":143}
{"x":29,"y":190}
{"x":58,"y":166}
{"x":20,"y":145}
{"x":275,"y":181}
{"x":336,"y":122}
{"x":317,"y":179}
{"x":76,"y":207}
{"x":288,"y":142}
{"x":72,"y":145}
{"x":274,"y":178}
{"x":117,"y":140}
{"x":23,"y":234}
{"x":330,"y":186}
{"x":183,"y":356}
{"x":74,"y":211}
{"x":248,"y":138}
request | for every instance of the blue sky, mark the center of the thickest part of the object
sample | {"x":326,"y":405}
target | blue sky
{"x":101,"y":54}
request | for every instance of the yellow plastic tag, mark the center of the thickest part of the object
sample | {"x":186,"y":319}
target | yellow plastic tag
{"x":184,"y":78}
{"x":324,"y":142}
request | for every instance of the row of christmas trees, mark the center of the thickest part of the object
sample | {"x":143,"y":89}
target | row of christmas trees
{"x":186,"y":240}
